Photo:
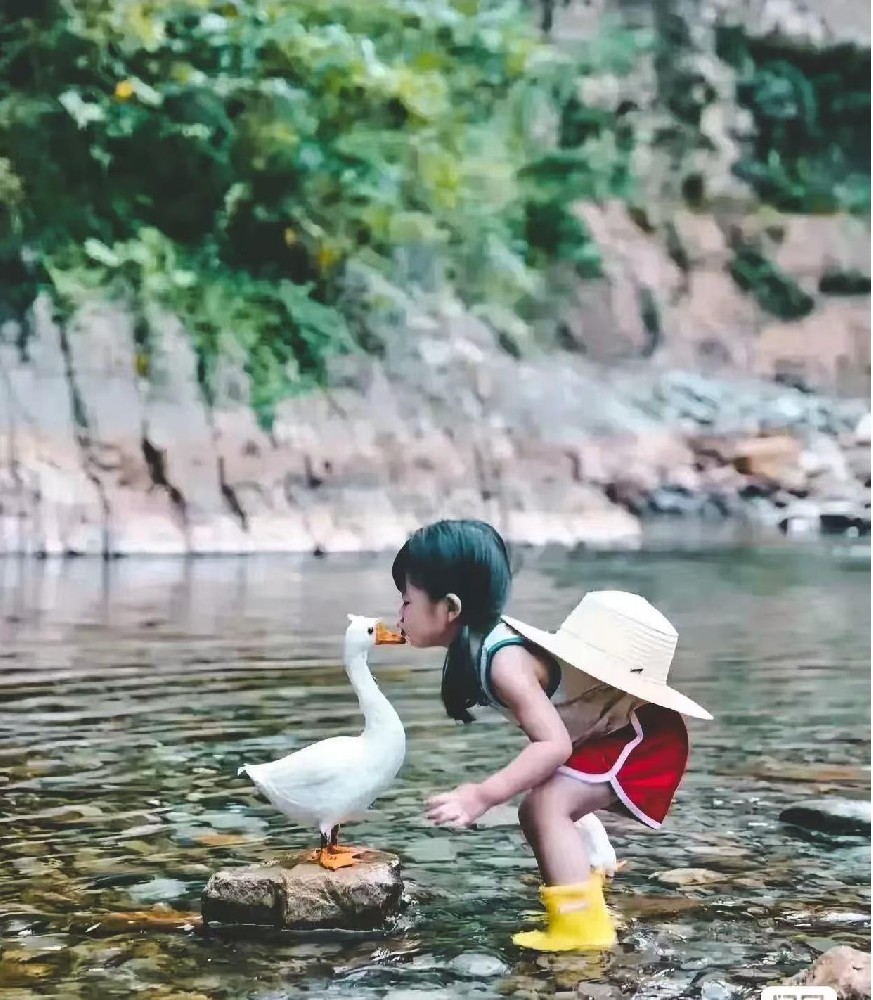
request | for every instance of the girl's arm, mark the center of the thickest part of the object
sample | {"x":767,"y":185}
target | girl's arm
{"x":514,"y":681}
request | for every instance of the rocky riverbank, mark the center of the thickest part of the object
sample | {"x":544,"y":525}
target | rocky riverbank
{"x":783,"y":458}
{"x":96,"y":460}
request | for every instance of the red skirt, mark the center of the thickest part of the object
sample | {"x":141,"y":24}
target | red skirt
{"x":644,"y":762}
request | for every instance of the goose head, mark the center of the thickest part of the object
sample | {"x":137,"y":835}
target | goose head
{"x":363,"y":634}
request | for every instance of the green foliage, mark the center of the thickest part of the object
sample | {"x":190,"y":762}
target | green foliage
{"x":284,"y":333}
{"x":229,"y":159}
{"x":812,"y":117}
{"x":774,"y":291}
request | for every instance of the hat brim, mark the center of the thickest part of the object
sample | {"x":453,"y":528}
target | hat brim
{"x":587,"y":659}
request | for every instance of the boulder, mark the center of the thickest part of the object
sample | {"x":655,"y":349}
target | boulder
{"x":772,"y":458}
{"x":295,"y":894}
{"x":839,"y":817}
{"x":844,"y":969}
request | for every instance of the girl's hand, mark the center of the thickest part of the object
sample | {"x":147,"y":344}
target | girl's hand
{"x":457,"y":809}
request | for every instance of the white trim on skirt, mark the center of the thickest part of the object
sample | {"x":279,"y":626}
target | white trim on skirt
{"x":612,"y":775}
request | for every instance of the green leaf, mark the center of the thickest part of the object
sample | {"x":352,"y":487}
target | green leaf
{"x":83,"y":112}
{"x":101,"y":253}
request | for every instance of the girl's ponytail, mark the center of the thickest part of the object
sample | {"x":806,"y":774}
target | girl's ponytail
{"x":460,"y":689}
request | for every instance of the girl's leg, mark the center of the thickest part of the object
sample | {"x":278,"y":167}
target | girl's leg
{"x":547,"y":816}
{"x":576,"y":913}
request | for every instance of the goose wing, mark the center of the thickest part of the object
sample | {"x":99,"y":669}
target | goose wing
{"x":315,"y":780}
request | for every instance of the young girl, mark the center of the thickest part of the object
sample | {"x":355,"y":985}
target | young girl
{"x":605,"y":729}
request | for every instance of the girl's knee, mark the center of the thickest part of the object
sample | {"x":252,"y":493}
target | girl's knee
{"x":526,"y":814}
{"x":539,"y":807}
{"x":558,"y":798}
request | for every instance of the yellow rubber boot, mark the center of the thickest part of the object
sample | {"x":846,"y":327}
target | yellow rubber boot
{"x":577,"y":919}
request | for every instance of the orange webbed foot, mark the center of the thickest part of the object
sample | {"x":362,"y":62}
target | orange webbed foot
{"x":355,"y":852}
{"x":334,"y":858}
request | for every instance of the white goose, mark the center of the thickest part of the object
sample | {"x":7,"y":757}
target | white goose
{"x":335,"y":780}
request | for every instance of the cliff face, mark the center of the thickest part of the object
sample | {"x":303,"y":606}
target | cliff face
{"x":718,"y":369}
{"x":95,"y":460}
{"x":670,"y":293}
{"x":747,"y":250}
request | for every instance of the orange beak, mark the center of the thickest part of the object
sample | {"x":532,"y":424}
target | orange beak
{"x":388,"y":637}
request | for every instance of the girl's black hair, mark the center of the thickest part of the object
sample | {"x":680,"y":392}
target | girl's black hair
{"x":470,"y":559}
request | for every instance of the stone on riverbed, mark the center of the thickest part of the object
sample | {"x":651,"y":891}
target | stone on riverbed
{"x":845,"y":969}
{"x":294,"y":894}
{"x":837,"y":817}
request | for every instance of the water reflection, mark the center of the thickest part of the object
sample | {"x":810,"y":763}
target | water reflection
{"x":131,"y":691}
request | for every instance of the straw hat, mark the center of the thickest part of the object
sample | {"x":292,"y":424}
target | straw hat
{"x":621,"y":640}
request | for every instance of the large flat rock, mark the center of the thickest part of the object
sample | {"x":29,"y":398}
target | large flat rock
{"x":838,"y":817}
{"x":293,"y":894}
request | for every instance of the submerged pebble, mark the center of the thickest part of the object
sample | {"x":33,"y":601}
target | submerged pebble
{"x":477,"y":966}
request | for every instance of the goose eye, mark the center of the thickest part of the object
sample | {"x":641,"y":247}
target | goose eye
{"x":370,"y":630}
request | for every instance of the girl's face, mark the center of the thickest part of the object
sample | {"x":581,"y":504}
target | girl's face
{"x":425,"y":622}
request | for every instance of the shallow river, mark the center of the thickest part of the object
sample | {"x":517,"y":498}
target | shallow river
{"x":130,"y":693}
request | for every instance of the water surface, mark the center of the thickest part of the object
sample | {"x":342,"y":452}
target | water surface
{"x":130,"y":692}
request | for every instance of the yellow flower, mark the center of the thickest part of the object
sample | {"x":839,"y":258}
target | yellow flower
{"x":124,"y":90}
{"x":290,"y":237}
{"x":326,"y":257}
